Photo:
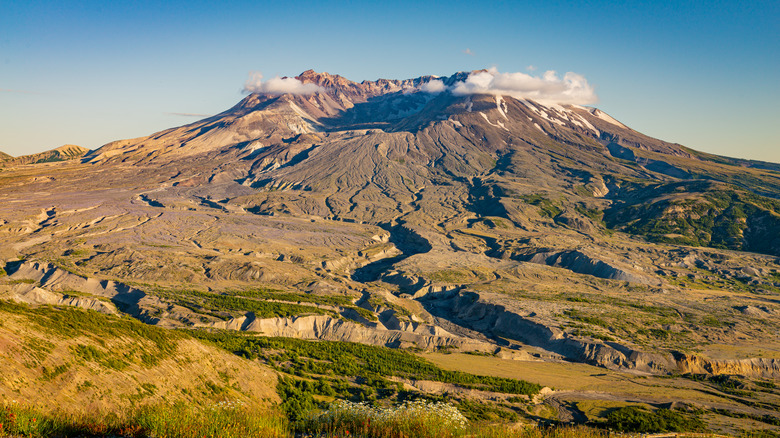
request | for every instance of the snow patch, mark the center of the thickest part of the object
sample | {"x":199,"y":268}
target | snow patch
{"x":606,"y":117}
{"x":501,"y":106}
{"x":588,"y":125}
{"x":499,"y":125}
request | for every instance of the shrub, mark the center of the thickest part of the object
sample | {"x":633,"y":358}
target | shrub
{"x":634,"y":419}
{"x":410,"y":419}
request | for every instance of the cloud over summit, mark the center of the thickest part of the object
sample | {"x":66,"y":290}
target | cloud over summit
{"x":277,"y":85}
{"x":573,"y":88}
{"x":433,"y":86}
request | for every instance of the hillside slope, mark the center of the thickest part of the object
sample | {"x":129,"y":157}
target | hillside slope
{"x":61,"y":356}
{"x":62,"y":153}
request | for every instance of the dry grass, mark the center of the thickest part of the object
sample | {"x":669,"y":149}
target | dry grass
{"x":577,"y":379}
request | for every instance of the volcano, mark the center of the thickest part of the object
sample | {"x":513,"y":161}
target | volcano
{"x":408,"y":213}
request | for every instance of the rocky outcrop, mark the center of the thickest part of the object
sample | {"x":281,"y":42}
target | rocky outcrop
{"x":327,"y":328}
{"x":755,"y":367}
{"x":51,"y":279}
{"x":31,"y":294}
{"x":581,"y":263}
{"x":470,"y":310}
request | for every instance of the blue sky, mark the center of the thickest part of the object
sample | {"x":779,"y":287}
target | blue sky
{"x":704,"y":74}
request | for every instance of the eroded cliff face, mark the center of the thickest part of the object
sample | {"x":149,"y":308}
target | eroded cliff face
{"x":500,"y":325}
{"x":754,"y":367}
{"x":426,"y":337}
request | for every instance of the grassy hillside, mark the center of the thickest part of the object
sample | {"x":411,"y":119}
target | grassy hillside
{"x":699,"y":213}
{"x":64,"y":356}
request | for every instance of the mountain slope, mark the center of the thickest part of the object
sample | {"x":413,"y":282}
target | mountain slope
{"x":382,"y":213}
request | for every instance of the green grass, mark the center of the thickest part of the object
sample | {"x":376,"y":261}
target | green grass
{"x":356,"y":372}
{"x":577,"y":315}
{"x":330,"y":300}
{"x":171,"y":421}
{"x":23,"y":281}
{"x":635,"y":419}
{"x":699,"y":213}
{"x":547,"y":207}
{"x":411,"y":419}
{"x":225,"y":306}
{"x":70,"y":322}
{"x":274,"y":294}
{"x":451,"y":276}
{"x":227,"y":420}
{"x":263,"y":302}
{"x":93,"y":354}
{"x":295,"y":356}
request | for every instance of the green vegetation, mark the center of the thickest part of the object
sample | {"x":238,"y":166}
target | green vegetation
{"x":577,"y":315}
{"x":49,"y":375}
{"x":93,"y":354}
{"x":225,"y":306}
{"x":299,"y":357}
{"x":452,"y":276}
{"x":729,"y":384}
{"x":23,"y":281}
{"x":349,"y":371}
{"x":263,"y":302}
{"x":703,"y":214}
{"x":173,"y":421}
{"x":547,"y":207}
{"x":70,"y":322}
{"x":229,"y":420}
{"x":275,"y":294}
{"x":635,"y":419}
{"x":767,"y":419}
{"x":595,"y":215}
{"x":410,"y":419}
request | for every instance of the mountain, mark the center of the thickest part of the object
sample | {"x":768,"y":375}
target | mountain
{"x":380,"y":213}
{"x":62,"y":153}
{"x":399,"y":141}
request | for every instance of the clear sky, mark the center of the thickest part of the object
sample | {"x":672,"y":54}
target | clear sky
{"x":703,"y":74}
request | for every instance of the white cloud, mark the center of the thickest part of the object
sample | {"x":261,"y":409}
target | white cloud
{"x":468,"y":52}
{"x":549,"y":88}
{"x":531,"y":68}
{"x":277,"y":85}
{"x":433,"y":86}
